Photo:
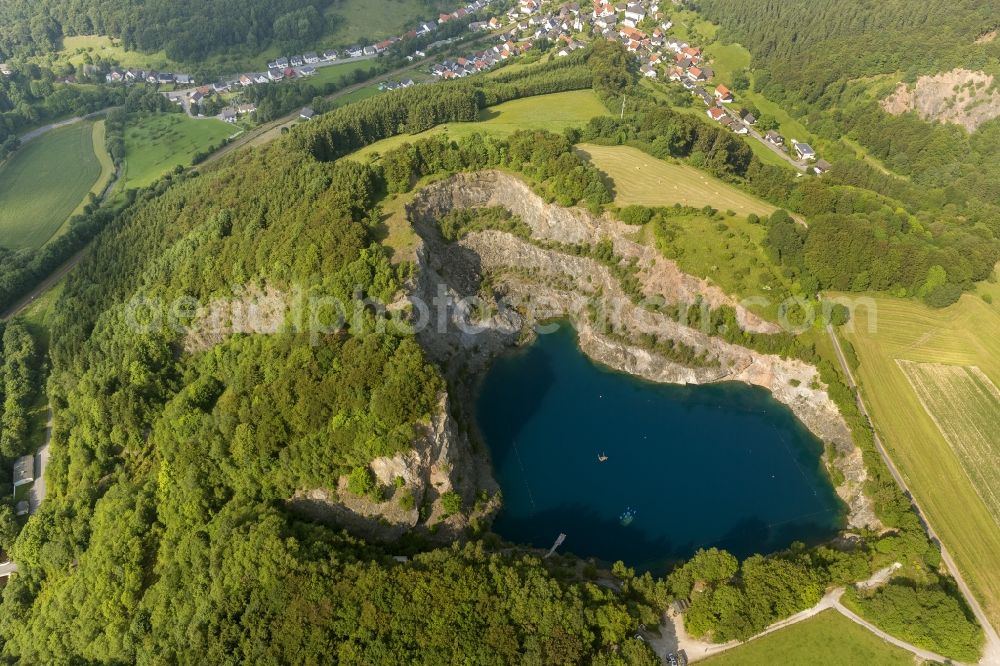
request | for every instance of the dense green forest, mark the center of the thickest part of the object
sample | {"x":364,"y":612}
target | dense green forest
{"x":811,"y":48}
{"x":866,"y":230}
{"x":186,"y":31}
{"x":941,"y":212}
{"x":167,"y":534}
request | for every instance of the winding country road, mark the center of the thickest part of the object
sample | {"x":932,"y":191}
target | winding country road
{"x":45,"y":129}
{"x":991,"y":650}
{"x":697,"y":650}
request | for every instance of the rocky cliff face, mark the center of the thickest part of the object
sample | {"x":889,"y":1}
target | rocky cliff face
{"x":477,"y":298}
{"x":523,"y":283}
{"x":961,"y":96}
{"x":441,"y":460}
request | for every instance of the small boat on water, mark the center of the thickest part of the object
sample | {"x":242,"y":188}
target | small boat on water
{"x":602,"y":457}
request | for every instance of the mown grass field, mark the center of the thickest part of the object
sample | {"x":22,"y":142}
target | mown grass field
{"x":829,"y":639}
{"x":642,"y":179}
{"x":43,"y":183}
{"x":965,"y":406}
{"x":964,"y":334}
{"x":553,"y":112}
{"x":156,"y":143}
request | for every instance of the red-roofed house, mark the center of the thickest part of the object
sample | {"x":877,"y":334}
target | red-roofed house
{"x":716,"y":114}
{"x":723,"y":94}
{"x":695,"y":74}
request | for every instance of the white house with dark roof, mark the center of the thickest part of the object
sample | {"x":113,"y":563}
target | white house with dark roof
{"x":24,"y":470}
{"x":804,"y":150}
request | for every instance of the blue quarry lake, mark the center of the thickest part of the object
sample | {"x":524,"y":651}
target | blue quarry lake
{"x":719,"y":465}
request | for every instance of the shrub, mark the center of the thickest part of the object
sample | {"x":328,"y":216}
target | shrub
{"x":362,"y":481}
{"x":452,"y":502}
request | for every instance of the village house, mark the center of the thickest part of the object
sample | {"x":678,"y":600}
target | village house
{"x":297,"y":61}
{"x":803,"y":150}
{"x":821,"y":167}
{"x":306,"y":113}
{"x":330,"y":55}
{"x":311,"y":58}
{"x":228,"y":115}
{"x":723,"y":94}
{"x":716,"y":114}
{"x":775,"y":138}
{"x":24,"y":470}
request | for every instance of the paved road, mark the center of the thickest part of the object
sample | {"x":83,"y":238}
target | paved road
{"x":7,"y":568}
{"x":798,"y":164}
{"x":920,"y":652}
{"x":37,"y":492}
{"x":44,"y":129}
{"x":185,"y":92}
{"x":261,"y":133}
{"x":991,"y":650}
{"x":698,"y":650}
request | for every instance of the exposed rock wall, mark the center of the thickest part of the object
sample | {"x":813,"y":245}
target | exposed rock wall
{"x":530,"y":283}
{"x":961,"y":96}
{"x":440,"y":461}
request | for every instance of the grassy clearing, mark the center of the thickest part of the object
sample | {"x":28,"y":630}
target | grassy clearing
{"x":642,"y":179}
{"x":78,"y":49}
{"x":963,"y":334}
{"x":727,"y":253}
{"x":395,"y":231}
{"x":363,"y":20}
{"x":156,"y":143}
{"x":965,"y":405}
{"x":349,"y":21}
{"x":727,"y":60}
{"x":829,"y":639}
{"x":689,"y":26}
{"x":43,"y":182}
{"x":333,"y":73}
{"x":553,"y":112}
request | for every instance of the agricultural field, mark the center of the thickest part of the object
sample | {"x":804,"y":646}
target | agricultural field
{"x":44,"y":182}
{"x":965,"y":405}
{"x":156,"y":143}
{"x":553,"y":112}
{"x":642,"y":179}
{"x":890,"y":337}
{"x":828,"y":639}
